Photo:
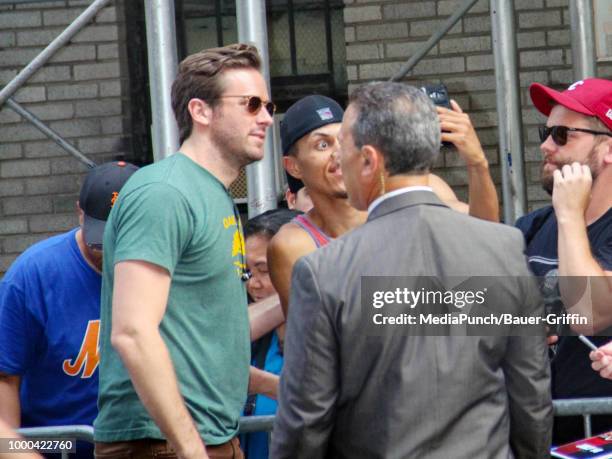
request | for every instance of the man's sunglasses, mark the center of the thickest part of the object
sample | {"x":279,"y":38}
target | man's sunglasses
{"x":254,"y":104}
{"x":559,"y":133}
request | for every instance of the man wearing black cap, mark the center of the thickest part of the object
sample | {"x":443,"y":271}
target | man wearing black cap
{"x":309,"y":136}
{"x":49,"y":316}
{"x":572,"y":239}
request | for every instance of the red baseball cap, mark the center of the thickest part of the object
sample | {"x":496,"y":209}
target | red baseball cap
{"x":591,"y":97}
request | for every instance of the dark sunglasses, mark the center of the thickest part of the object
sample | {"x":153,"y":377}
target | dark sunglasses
{"x":559,"y":133}
{"x":254,"y":104}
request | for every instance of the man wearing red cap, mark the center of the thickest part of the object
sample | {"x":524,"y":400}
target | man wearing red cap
{"x":572,"y":239}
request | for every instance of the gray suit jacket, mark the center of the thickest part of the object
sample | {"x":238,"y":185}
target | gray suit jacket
{"x":347,"y":394}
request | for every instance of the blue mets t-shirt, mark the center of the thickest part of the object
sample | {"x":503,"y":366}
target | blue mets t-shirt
{"x":49,"y":324}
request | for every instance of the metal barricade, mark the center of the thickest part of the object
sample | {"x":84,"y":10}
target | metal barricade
{"x":85,"y":433}
{"x":76,"y":432}
{"x":584,"y":407}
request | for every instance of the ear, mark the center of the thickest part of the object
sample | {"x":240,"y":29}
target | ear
{"x":201,"y":113}
{"x":80,"y":213}
{"x":373,"y":162}
{"x":607,"y":157}
{"x":290,"y":198}
{"x":292,"y":167}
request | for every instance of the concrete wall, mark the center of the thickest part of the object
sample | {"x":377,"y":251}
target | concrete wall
{"x":80,"y":93}
{"x":382,"y":35}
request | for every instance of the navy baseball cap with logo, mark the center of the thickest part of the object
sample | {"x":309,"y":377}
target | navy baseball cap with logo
{"x":308,"y":114}
{"x":98,"y":195}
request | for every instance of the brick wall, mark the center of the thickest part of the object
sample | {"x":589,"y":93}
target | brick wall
{"x":80,"y":93}
{"x":382,"y":35}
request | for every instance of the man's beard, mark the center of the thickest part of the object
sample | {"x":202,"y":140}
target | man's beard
{"x":548,"y":181}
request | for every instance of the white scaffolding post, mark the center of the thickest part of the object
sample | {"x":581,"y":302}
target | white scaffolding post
{"x":163,"y":63}
{"x":508,"y":110}
{"x":583,"y":40}
{"x":261,"y":177}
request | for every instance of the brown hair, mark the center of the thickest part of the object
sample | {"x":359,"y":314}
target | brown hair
{"x":200,"y":77}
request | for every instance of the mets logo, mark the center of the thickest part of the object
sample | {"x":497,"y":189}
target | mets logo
{"x":86,"y":362}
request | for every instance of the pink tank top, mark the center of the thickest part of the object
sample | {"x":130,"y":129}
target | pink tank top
{"x":319,"y":237}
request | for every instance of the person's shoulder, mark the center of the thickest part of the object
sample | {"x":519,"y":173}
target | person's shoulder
{"x":533,"y":219}
{"x":38,"y":255}
{"x":291,"y":241}
{"x":446,"y":220}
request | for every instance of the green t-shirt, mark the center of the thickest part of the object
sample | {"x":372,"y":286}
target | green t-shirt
{"x":177,"y":215}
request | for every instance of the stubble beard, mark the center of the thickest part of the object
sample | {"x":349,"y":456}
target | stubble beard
{"x":230,"y":148}
{"x":548,"y":180}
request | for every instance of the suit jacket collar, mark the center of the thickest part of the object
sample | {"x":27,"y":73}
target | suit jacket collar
{"x":413,"y":198}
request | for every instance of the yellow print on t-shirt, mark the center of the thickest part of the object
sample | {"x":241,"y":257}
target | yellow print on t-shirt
{"x":237,"y":243}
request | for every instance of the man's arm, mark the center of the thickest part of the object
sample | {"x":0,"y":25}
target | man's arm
{"x":10,"y":408}
{"x":310,"y":378}
{"x":6,"y":431}
{"x":457,"y":129}
{"x":264,"y":316}
{"x":527,"y":375}
{"x":263,"y":382}
{"x":586,"y":288}
{"x":284,"y":249}
{"x":140,"y":296}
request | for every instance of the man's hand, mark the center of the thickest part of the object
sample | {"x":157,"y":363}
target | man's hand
{"x":263,"y":382}
{"x":571,"y":191}
{"x":602,"y":360}
{"x":457,"y":129}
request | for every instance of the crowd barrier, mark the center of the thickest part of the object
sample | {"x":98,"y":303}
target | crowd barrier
{"x":585,"y":407}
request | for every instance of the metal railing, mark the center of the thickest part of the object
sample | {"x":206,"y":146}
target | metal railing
{"x":585,"y":407}
{"x":76,"y":432}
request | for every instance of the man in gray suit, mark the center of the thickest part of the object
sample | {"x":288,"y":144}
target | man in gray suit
{"x":353,"y":390}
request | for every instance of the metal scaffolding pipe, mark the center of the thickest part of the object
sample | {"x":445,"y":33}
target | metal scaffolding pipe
{"x":42,"y":127}
{"x":433,"y":40}
{"x":583,"y":40}
{"x":508,"y":109}
{"x":11,"y":2}
{"x":46,"y":54}
{"x":163,"y":63}
{"x":261,"y":178}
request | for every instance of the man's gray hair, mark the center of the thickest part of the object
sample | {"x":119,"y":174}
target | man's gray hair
{"x":401,"y":121}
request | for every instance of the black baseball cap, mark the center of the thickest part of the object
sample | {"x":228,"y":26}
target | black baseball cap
{"x":98,"y":195}
{"x":308,"y":114}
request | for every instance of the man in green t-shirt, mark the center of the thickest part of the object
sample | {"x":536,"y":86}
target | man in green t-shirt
{"x":174,"y":340}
